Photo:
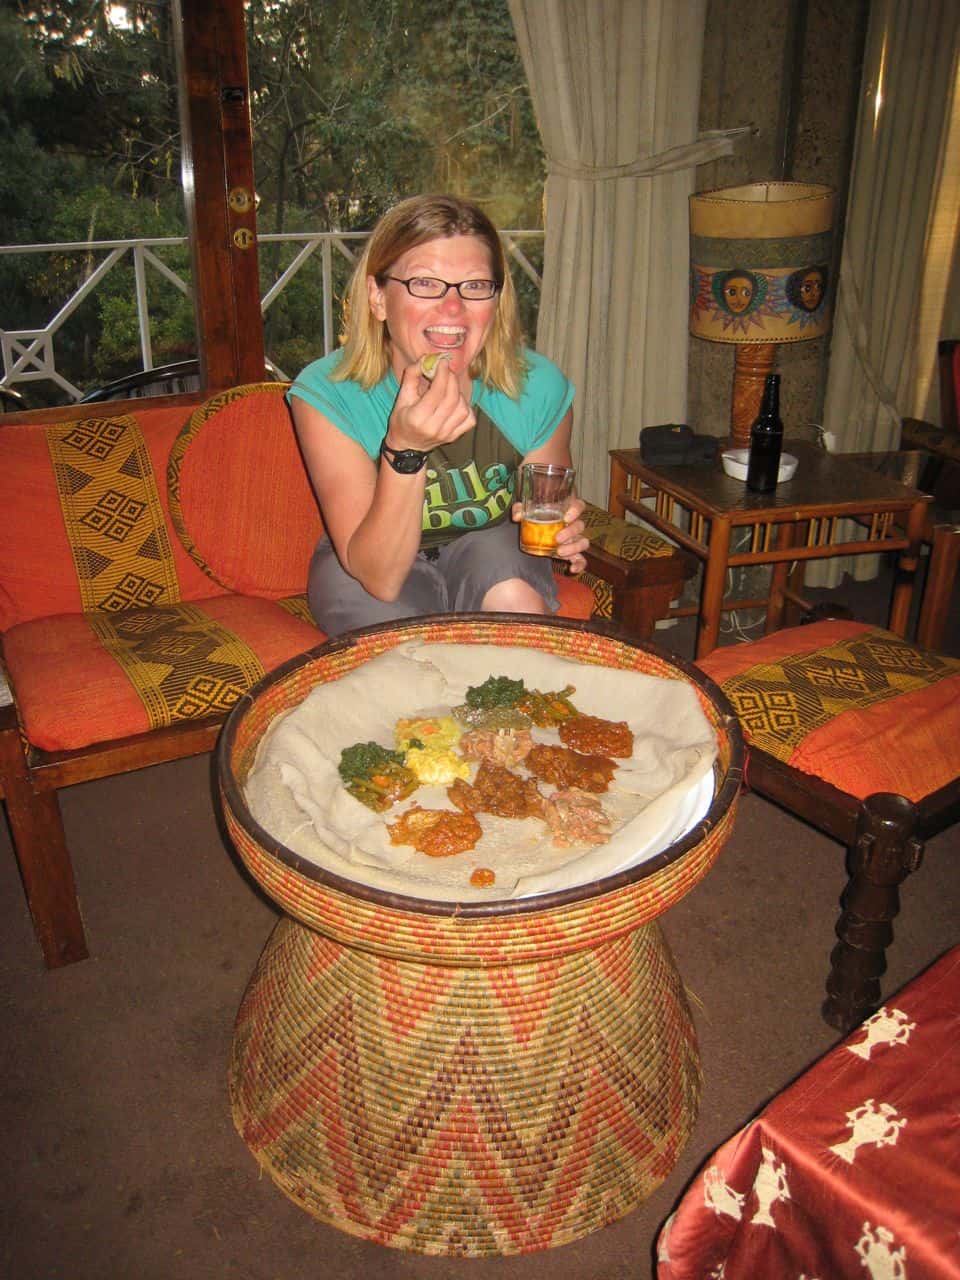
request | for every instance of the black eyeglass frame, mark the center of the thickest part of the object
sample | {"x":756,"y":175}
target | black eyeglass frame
{"x":448,"y":285}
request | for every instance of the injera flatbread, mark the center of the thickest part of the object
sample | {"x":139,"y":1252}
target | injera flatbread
{"x":294,"y":790}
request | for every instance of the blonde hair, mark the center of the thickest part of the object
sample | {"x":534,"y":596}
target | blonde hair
{"x":413,"y":222}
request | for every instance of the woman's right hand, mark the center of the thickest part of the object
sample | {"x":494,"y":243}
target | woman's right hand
{"x":424,"y":419}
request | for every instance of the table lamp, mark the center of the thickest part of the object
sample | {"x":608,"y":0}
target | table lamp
{"x":760,"y":275}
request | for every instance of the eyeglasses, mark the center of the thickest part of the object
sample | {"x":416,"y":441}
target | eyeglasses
{"x":431,"y":287}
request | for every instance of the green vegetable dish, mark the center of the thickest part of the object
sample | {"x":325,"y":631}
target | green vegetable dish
{"x":375,"y":776}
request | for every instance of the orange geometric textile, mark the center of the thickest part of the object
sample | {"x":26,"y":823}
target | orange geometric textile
{"x":851,"y":704}
{"x":37,"y":557}
{"x":92,"y":677}
{"x":112,"y":511}
{"x":240,"y":499}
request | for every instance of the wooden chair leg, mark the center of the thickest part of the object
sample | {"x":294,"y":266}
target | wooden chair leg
{"x":884,"y":852}
{"x":639,"y":609}
{"x":41,"y":848}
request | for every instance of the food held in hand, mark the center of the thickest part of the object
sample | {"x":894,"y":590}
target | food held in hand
{"x":595,"y":736}
{"x":439,"y":833}
{"x":429,"y":364}
{"x":375,"y":776}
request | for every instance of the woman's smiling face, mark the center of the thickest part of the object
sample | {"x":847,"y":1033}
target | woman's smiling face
{"x":417,"y":326}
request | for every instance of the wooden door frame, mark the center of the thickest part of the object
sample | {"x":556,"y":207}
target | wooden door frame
{"x":218,"y":186}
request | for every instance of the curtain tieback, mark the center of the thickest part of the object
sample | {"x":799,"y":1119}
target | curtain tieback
{"x":709,"y":146}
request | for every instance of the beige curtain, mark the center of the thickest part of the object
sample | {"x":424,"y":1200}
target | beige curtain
{"x":615,"y":85}
{"x":882,"y":351}
{"x":879,"y":372}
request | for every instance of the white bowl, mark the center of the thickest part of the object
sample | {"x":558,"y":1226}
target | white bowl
{"x":735,"y":464}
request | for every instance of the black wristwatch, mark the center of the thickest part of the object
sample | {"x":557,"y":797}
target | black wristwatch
{"x":407,"y":461}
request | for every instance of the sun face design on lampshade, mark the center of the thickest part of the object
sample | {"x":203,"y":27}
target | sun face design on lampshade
{"x":758,"y":262}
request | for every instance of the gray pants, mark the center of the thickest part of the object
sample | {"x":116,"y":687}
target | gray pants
{"x":455,"y":582}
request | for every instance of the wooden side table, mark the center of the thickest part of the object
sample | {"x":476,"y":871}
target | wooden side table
{"x":700,"y":507}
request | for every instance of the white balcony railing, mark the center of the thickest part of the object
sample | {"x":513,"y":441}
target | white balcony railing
{"x":29,"y":355}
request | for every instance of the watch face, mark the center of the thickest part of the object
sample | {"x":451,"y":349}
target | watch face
{"x":407,"y":461}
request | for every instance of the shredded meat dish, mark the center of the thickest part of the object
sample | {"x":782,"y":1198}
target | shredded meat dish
{"x":575,"y":817}
{"x":595,"y":736}
{"x":566,"y":768}
{"x":497,"y":790}
{"x":499,"y":746}
{"x":439,"y":833}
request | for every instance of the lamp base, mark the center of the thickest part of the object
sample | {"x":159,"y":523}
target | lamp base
{"x":752,"y":364}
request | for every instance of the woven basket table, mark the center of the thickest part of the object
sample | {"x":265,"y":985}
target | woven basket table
{"x":467,"y":1079}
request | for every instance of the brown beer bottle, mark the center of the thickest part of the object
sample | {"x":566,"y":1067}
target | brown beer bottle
{"x":766,"y":439}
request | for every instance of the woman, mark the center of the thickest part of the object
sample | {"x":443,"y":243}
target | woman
{"x":415,"y":477}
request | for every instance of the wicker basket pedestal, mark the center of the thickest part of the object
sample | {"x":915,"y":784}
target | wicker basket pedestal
{"x":481,"y":1080}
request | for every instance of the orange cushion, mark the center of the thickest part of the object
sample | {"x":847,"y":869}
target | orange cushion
{"x":37,"y":571}
{"x":577,"y":599}
{"x":177,"y":663}
{"x":240,"y":498}
{"x":851,"y":704}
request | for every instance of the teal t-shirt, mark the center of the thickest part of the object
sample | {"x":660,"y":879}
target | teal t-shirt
{"x":470,"y":482}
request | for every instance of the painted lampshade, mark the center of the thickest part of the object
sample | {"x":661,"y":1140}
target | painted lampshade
{"x":760,"y":275}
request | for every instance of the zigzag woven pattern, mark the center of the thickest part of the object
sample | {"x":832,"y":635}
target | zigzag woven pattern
{"x":465,"y":1112}
{"x":781,"y":703}
{"x":112,"y":512}
{"x":183,"y":664}
{"x":466,"y":1080}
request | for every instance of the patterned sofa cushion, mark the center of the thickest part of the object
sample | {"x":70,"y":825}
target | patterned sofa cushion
{"x":240,"y":499}
{"x":86,"y":678}
{"x":849,"y":703}
{"x":85,"y":518}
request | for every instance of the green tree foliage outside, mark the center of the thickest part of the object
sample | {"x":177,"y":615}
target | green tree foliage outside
{"x":354,"y":103}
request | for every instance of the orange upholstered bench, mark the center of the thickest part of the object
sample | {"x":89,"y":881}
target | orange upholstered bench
{"x":152,"y":569}
{"x":856,"y":731}
{"x":121,"y":643}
